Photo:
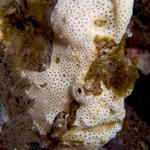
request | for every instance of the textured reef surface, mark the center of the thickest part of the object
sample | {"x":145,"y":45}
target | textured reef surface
{"x":65,"y":72}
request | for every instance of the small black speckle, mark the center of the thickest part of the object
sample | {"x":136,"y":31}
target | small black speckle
{"x":79,"y":91}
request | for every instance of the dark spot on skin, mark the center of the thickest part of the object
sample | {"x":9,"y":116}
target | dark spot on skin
{"x":79,"y":91}
{"x":100,"y":22}
{"x":57,"y":60}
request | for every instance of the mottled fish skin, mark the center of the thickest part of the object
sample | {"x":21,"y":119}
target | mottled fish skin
{"x":86,"y":65}
{"x":83,"y":32}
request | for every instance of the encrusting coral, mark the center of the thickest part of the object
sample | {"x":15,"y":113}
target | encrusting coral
{"x":79,"y":98}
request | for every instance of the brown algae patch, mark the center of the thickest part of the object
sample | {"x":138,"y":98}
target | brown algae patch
{"x":103,"y":43}
{"x":113,"y":68}
{"x":27,"y":34}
